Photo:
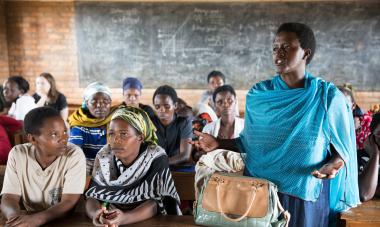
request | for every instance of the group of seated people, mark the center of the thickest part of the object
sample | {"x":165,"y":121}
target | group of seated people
{"x":130,"y":147}
{"x":299,"y":133}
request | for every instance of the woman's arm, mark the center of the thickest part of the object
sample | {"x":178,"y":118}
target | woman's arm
{"x":209,"y":143}
{"x":43,"y":99}
{"x":184,"y":153}
{"x":11,"y":210}
{"x":368,"y":179}
{"x":10,"y":205}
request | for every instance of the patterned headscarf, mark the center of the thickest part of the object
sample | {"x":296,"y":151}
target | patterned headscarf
{"x":139,"y":120}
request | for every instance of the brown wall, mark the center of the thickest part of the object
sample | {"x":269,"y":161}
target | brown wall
{"x":39,"y":37}
{"x":4,"y":67}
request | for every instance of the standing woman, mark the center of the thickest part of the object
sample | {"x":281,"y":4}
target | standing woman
{"x":299,"y":134}
{"x":48,"y":95}
{"x":16,"y":92}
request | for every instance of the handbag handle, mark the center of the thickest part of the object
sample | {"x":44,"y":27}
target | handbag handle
{"x":221,"y":209}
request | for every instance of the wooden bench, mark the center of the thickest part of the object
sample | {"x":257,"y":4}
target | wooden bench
{"x":365,"y":215}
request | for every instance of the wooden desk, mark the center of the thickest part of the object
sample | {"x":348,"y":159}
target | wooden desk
{"x":365,"y":215}
{"x":80,"y":219}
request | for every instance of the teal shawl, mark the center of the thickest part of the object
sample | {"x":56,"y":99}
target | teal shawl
{"x":287,"y":135}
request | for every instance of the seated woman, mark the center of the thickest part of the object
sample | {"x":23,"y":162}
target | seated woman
{"x":46,"y":176}
{"x":173,"y":131}
{"x":131,"y":173}
{"x":228,"y":126}
{"x":16,"y":92}
{"x":215,"y":79}
{"x":48,"y":95}
{"x":132,"y":94}
{"x":89,"y":123}
{"x":368,"y":163}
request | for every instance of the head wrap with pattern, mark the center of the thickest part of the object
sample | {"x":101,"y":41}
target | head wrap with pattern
{"x":139,"y":120}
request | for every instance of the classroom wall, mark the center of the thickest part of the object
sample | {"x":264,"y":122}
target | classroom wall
{"x":4,"y":67}
{"x":39,"y":37}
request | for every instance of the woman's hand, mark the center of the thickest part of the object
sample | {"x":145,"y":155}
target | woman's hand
{"x":205,"y":142}
{"x":98,"y":220}
{"x":113,"y":218}
{"x":329,"y":170}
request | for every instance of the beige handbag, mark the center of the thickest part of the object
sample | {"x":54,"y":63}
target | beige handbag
{"x":233,"y":200}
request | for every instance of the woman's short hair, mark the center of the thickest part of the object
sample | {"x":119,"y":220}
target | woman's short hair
{"x":223,"y":88}
{"x":35,"y":119}
{"x":305,"y":36}
{"x":216,"y":74}
{"x":166,"y":90}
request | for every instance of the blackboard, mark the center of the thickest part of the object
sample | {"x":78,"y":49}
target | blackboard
{"x":180,"y":43}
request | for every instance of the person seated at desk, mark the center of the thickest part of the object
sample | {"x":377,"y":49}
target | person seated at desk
{"x":48,"y":95}
{"x":47,"y":175}
{"x":132,"y":93}
{"x":215,"y":79}
{"x":131,"y":173}
{"x":16,"y":92}
{"x":174,"y":132}
{"x":368,"y":162}
{"x":228,"y":126}
{"x":89,"y":122}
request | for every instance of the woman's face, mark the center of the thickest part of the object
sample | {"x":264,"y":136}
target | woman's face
{"x":164,"y":107}
{"x":99,"y":105}
{"x":53,"y":137}
{"x":123,"y":139}
{"x":42,"y":85}
{"x":11,"y":91}
{"x":225,"y":103}
{"x":215,"y":82}
{"x":132,"y":97}
{"x":288,"y":56}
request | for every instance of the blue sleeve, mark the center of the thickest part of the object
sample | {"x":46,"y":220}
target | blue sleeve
{"x":76,"y":136}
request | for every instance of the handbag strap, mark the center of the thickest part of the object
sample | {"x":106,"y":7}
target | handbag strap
{"x":221,"y":209}
{"x":283,"y":211}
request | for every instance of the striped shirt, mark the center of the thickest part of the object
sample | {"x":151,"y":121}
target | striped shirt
{"x":91,"y":140}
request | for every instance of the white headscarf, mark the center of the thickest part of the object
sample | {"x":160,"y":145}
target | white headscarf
{"x":94,"y":88}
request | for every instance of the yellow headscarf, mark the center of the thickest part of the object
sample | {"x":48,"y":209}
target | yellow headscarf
{"x":80,"y":118}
